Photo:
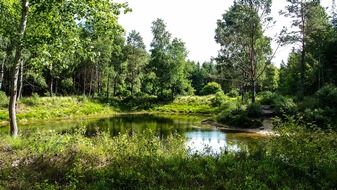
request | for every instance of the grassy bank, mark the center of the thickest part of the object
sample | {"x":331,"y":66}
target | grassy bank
{"x":190,"y":104}
{"x":48,"y":160}
{"x":35,"y":108}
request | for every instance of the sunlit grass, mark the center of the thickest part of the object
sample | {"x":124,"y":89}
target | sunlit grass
{"x":44,"y":108}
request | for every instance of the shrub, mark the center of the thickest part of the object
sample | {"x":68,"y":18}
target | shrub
{"x":316,"y":116}
{"x":267,"y":98}
{"x":233,"y":93}
{"x":211,"y":88}
{"x":82,"y":98}
{"x":218,"y":99}
{"x":308,"y":103}
{"x":327,"y":97}
{"x":306,"y":151}
{"x":34,"y":100}
{"x":3,"y":99}
{"x":238,"y":118}
{"x":284,"y":105}
{"x":254,"y":110}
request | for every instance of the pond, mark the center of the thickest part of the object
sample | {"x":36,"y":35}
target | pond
{"x":200,"y":138}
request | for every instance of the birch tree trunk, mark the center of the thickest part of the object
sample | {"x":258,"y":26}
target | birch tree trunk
{"x":2,"y":72}
{"x":16,"y":64}
{"x":21,"y":81}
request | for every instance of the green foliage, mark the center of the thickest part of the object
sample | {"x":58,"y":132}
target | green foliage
{"x":242,"y":26}
{"x":138,"y":102}
{"x":284,"y":105}
{"x":238,"y":117}
{"x":308,"y":102}
{"x":280,"y":104}
{"x":318,"y":117}
{"x":34,"y":100}
{"x":267,"y":98}
{"x":211,"y":88}
{"x":327,"y":97}
{"x":219,"y":99}
{"x":189,"y":104}
{"x":82,"y":98}
{"x":254,"y":110}
{"x":3,"y":99}
{"x":37,"y":108}
{"x":233,"y":93}
{"x":307,"y":151}
{"x":295,"y":158}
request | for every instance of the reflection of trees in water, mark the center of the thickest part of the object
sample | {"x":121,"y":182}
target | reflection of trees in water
{"x":134,"y":124}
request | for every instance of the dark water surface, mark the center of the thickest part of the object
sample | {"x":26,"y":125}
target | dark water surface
{"x":199,"y":137}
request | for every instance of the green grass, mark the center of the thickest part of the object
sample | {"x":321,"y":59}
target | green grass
{"x":50,"y":160}
{"x":189,"y":104}
{"x":45,"y":108}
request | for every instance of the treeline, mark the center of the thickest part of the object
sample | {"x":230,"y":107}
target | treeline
{"x":245,"y":55}
{"x":66,"y":52}
{"x":79,"y":48}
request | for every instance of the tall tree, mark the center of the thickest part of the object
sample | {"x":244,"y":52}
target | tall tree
{"x":177,"y":77}
{"x":299,"y":11}
{"x":136,"y":60}
{"x":16,"y":64}
{"x":160,"y":57}
{"x":244,"y":48}
{"x":47,"y":22}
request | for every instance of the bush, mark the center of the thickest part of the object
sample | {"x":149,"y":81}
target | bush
{"x":211,"y":88}
{"x":34,"y":100}
{"x":327,"y":97}
{"x":3,"y":99}
{"x":280,"y":104}
{"x":284,"y":105}
{"x":317,"y":117}
{"x":306,"y":151}
{"x":254,"y":110}
{"x":238,"y":118}
{"x":233,"y":93}
{"x":267,"y":98}
{"x":308,"y":103}
{"x":218,"y":99}
{"x":82,"y":98}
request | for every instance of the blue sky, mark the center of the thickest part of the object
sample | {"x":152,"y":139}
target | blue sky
{"x":193,"y":21}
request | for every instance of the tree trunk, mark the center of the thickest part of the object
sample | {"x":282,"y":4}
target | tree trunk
{"x":90,"y":84}
{"x":51,"y":85}
{"x":55,"y":87}
{"x":2,"y":72}
{"x":115,"y":85}
{"x":21,"y":81}
{"x":253,"y":88}
{"x":18,"y":55}
{"x":95,"y":81}
{"x":303,"y":53}
{"x":108,"y":89}
{"x":85,"y":71}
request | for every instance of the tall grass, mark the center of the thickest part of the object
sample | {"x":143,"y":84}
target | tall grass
{"x":36,"y":108}
{"x":296,"y":159}
{"x":189,"y":104}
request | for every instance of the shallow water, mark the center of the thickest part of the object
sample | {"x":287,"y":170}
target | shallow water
{"x":200,"y":138}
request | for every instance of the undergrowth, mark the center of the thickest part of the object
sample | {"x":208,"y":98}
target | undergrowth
{"x":294,"y":159}
{"x":42,"y":108}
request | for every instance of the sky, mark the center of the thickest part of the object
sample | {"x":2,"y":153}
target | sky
{"x":194,"y":21}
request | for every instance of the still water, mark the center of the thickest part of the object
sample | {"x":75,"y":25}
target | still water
{"x":200,"y":138}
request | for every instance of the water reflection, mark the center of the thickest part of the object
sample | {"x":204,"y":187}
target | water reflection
{"x":199,"y":138}
{"x":213,"y":142}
